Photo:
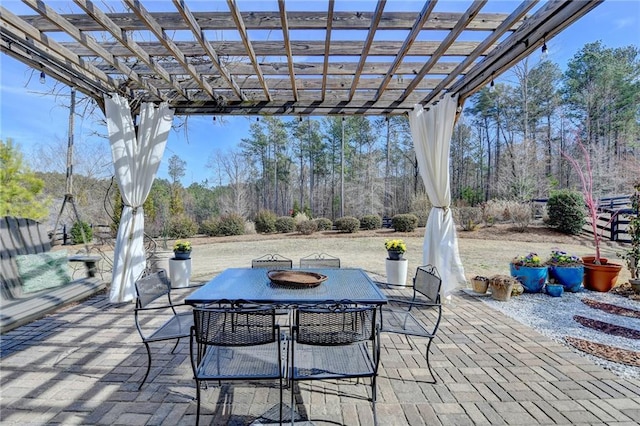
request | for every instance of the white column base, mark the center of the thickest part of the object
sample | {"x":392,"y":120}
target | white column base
{"x":397,"y":271}
{"x":179,"y":272}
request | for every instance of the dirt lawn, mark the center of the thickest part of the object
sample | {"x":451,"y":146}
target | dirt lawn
{"x":486,"y":251}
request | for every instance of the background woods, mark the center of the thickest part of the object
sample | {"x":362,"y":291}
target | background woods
{"x":506,"y":145}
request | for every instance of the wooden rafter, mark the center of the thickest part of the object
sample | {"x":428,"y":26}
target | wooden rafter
{"x":327,"y":45}
{"x":199,"y":35}
{"x":349,"y":69}
{"x":287,"y":48}
{"x":33,"y":39}
{"x":375,"y":20}
{"x":88,"y":41}
{"x":548,"y":21}
{"x":415,"y":30}
{"x":263,"y":20}
{"x":467,"y":17}
{"x":242,"y":30}
{"x":168,"y":44}
{"x":517,"y":15}
{"x":120,"y":35}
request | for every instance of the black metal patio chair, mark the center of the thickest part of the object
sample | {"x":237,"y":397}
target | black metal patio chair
{"x":418,"y":315}
{"x":320,"y":260}
{"x":156,"y":316}
{"x":272,"y":261}
{"x":235,"y":343}
{"x":334,"y":342}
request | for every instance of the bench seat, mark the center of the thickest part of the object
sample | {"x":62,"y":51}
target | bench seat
{"x":26,"y":236}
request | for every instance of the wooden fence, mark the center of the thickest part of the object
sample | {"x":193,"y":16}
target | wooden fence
{"x":613,"y":218}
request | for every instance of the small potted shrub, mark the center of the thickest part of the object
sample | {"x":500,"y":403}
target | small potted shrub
{"x":530,"y":271}
{"x":501,"y":287}
{"x":480,"y":284}
{"x":565,"y":269}
{"x":182,"y":249}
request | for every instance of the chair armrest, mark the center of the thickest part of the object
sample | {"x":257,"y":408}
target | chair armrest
{"x":383,"y":285}
{"x":89,"y":261}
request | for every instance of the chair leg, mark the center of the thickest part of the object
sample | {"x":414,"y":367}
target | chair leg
{"x":280,"y":400}
{"x":148,"y":365}
{"x":428,"y":363}
{"x":176,"y":345}
{"x":197,"y":402}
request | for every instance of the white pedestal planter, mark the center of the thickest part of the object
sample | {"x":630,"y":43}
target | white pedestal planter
{"x":179,"y":272}
{"x":397,"y":271}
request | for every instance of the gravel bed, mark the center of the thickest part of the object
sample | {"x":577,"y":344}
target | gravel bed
{"x":553,"y":317}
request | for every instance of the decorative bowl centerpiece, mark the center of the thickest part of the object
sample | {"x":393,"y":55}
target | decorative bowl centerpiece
{"x":296,"y":279}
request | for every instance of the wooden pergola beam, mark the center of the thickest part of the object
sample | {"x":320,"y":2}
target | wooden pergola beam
{"x":411,"y":37}
{"x":516,"y":16}
{"x":248,"y":46}
{"x":548,"y":21}
{"x":168,"y":44}
{"x":199,"y":35}
{"x":264,"y":20}
{"x":375,"y":20}
{"x":120,"y":35}
{"x":327,"y":45}
{"x":467,"y":17}
{"x":287,"y":48}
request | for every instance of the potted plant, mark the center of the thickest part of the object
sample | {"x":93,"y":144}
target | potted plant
{"x":565,"y":269}
{"x":480,"y":284}
{"x":632,"y":255}
{"x":530,"y":271}
{"x":599,"y":273}
{"x":395,"y":249}
{"x":501,"y":287}
{"x":182,"y":249}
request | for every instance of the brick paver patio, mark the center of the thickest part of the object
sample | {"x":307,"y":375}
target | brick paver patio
{"x":83,"y":364}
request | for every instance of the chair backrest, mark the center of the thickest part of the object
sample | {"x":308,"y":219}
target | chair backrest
{"x":235,"y":326}
{"x":320,"y":260}
{"x":335,"y":325}
{"x":272,"y":261}
{"x":152,"y":286}
{"x":428,"y":282}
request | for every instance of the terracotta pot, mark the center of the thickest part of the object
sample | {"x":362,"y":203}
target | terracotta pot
{"x":600,"y":277}
{"x":480,"y":284}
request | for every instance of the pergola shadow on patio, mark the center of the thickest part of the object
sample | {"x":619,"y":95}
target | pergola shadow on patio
{"x":83,"y":364}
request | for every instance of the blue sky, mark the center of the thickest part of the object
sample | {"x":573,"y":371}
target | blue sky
{"x":33,"y":119}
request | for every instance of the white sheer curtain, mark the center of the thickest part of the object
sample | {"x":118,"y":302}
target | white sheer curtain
{"x":136,"y":161}
{"x":431,"y":132}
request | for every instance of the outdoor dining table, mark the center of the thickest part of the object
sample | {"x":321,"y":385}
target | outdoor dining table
{"x":347,"y":285}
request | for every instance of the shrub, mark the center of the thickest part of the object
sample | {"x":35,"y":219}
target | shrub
{"x":493,"y":211}
{"x":306,"y":227}
{"x":285,"y":224}
{"x":422,"y":218}
{"x":182,"y":227}
{"x":348,"y":224}
{"x":76,"y":232}
{"x":372,"y":221}
{"x":566,"y":211}
{"x":210,"y":227}
{"x":323,"y":224}
{"x":468,"y":217}
{"x":521,"y":215}
{"x":300,"y":217}
{"x":265,"y":222}
{"x":231,"y":224}
{"x":406,"y":222}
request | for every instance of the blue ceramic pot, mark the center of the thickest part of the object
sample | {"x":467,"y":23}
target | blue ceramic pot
{"x":532,"y":278}
{"x":569,"y":276}
{"x":554,"y":290}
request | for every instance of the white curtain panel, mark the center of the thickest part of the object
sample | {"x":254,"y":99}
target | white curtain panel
{"x":431,"y":132}
{"x":136,"y":161}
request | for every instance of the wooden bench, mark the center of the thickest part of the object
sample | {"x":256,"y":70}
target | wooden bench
{"x":26,"y":236}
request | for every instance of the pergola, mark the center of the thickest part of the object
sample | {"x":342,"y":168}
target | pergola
{"x":283,"y":58}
